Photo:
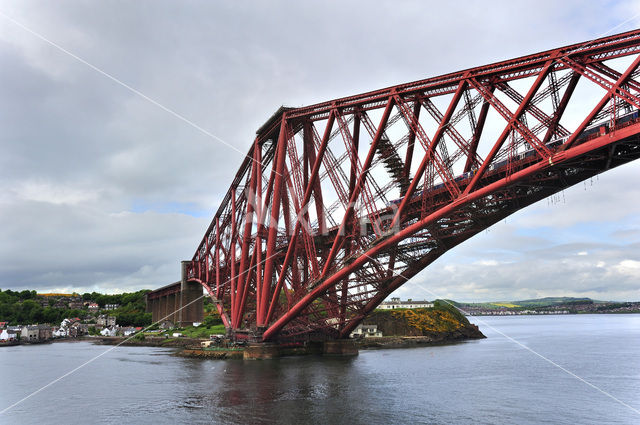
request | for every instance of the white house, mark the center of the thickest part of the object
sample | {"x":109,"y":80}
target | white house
{"x":366,"y":331}
{"x":128,"y":331}
{"x":108,"y":331}
{"x":61,"y":332}
{"x":6,"y":336}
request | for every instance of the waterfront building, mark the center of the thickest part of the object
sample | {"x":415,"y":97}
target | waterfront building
{"x":366,"y":331}
{"x":128,"y":331}
{"x":15,"y":330}
{"x":6,"y":336}
{"x":60,"y":332}
{"x":29,"y":333}
{"x":112,"y":331}
{"x":397,"y":303}
{"x":78,"y":329}
{"x":44,"y":332}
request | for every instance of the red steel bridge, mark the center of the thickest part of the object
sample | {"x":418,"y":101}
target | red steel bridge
{"x":338,"y":204}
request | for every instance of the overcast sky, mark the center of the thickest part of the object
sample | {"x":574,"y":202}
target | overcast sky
{"x":101,"y":189}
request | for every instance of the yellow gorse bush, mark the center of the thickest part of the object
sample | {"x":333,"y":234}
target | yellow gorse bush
{"x":428,"y":320}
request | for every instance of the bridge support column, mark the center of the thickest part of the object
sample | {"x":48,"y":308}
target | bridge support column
{"x":266,"y":350}
{"x":155,"y":310}
{"x":171,"y":307}
{"x":176,"y":307}
{"x":339,"y":347}
{"x":163,"y":308}
{"x":191,"y":300}
{"x":261,"y":351}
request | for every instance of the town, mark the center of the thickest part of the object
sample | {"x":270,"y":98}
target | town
{"x":30,"y":318}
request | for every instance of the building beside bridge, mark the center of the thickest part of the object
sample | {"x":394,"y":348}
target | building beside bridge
{"x":366,"y":331}
{"x":397,"y":303}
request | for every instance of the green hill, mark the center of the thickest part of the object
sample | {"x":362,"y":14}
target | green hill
{"x":532,"y":303}
{"x":551,"y":301}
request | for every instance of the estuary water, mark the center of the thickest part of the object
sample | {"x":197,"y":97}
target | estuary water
{"x":490,"y":381}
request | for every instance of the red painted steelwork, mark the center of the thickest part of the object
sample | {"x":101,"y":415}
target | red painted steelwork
{"x":330,"y":212}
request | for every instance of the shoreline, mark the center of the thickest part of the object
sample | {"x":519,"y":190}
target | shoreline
{"x":391,"y":342}
{"x":190,"y":347}
{"x":181,"y":342}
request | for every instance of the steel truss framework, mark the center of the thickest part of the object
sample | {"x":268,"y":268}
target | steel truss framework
{"x":338,"y":204}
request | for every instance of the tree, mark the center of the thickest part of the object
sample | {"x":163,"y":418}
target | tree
{"x":51,"y":315}
{"x":212,"y":320}
{"x":26,"y":295}
{"x":37,"y":315}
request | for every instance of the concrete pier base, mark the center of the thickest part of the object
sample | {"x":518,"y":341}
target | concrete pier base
{"x":340,"y":347}
{"x":261,"y":351}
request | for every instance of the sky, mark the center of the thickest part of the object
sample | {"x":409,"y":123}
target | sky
{"x":106,"y":185}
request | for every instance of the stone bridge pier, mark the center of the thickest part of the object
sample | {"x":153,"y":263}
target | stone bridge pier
{"x":180,"y":303}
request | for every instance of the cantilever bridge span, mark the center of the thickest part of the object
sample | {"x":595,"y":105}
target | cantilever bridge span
{"x":338,"y":204}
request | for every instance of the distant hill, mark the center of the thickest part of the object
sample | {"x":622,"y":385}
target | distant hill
{"x":551,"y":301}
{"x":532,"y":303}
{"x":547,"y":305}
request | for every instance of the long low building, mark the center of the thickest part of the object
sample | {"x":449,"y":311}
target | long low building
{"x":397,"y":303}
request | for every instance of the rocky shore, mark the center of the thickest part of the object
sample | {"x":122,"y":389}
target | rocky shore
{"x":465,"y":333}
{"x":181,"y":342}
{"x":211,"y":354}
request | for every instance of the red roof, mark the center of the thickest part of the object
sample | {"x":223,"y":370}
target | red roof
{"x":138,"y":328}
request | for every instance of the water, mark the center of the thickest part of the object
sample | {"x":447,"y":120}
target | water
{"x":491,"y":381}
